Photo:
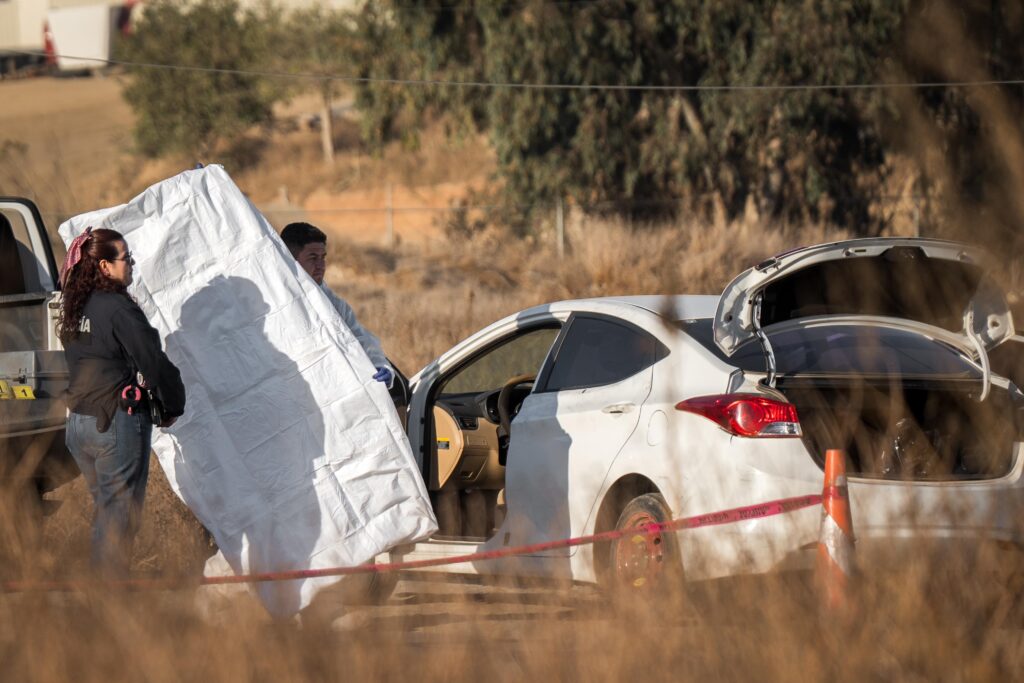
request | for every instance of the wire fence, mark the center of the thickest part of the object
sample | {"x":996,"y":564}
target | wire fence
{"x":388,"y":224}
{"x":724,"y":88}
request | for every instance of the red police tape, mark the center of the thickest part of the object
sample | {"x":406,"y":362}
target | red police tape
{"x":769,"y":509}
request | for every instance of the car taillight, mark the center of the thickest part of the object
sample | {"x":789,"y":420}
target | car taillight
{"x":748,"y":415}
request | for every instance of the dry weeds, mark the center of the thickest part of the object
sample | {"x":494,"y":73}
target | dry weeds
{"x":951,"y":613}
{"x":936,"y":614}
{"x":423,"y":300}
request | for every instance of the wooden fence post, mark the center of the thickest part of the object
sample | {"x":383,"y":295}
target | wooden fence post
{"x":560,"y":228}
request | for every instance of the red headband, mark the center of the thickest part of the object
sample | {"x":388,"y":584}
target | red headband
{"x":74,"y":256}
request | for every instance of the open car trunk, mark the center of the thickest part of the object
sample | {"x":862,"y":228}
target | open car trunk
{"x":882,"y":344}
{"x":907,"y":430}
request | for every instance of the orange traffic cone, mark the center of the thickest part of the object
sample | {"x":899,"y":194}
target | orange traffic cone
{"x":835,"y":564}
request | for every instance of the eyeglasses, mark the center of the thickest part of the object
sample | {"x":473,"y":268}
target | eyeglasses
{"x":127,"y":257}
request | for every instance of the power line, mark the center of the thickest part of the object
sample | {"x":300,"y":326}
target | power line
{"x":470,"y":6}
{"x":267,"y":208}
{"x":727,"y":88}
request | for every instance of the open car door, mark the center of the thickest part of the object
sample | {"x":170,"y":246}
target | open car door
{"x":33,"y":373}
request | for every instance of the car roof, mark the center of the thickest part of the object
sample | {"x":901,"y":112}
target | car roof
{"x":671,"y":306}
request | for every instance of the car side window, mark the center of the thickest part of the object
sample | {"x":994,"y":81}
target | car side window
{"x":598,"y":351}
{"x":522,"y":355}
{"x":19,"y":269}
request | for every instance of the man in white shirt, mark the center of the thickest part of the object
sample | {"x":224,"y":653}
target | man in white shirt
{"x":308,"y":244}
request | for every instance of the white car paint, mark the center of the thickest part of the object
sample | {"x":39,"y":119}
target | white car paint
{"x":567,"y":453}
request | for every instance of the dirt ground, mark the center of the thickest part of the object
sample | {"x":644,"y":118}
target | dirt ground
{"x":83,"y":115}
{"x":70,"y":148}
{"x":67,"y":140}
{"x":939,"y":618}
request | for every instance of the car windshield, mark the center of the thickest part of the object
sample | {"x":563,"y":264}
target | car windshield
{"x":843,"y":349}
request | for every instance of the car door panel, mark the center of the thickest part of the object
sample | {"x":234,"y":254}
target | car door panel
{"x":564,"y":440}
{"x":562,"y":446}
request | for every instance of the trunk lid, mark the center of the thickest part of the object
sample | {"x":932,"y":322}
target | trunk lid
{"x":936,"y":283}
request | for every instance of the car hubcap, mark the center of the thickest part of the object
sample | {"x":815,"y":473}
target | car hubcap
{"x":639,"y":557}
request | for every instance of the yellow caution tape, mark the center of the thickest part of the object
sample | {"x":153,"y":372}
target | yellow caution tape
{"x":5,"y":391}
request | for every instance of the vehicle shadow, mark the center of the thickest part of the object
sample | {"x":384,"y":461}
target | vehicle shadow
{"x":250,"y":437}
{"x":582,"y":413}
{"x":536,"y":487}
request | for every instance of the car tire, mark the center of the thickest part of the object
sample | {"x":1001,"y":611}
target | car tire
{"x":645,"y":569}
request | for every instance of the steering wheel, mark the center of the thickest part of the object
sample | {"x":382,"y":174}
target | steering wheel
{"x":505,"y":400}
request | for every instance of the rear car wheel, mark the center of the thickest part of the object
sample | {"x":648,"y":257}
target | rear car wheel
{"x":643,"y":566}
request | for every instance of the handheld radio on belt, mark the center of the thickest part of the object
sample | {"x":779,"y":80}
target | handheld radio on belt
{"x":156,"y":411}
{"x":131,"y":398}
{"x":136,"y":395}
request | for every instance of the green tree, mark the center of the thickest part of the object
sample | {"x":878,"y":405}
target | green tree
{"x":806,"y":154}
{"x":320,"y":42}
{"x":967,"y":142}
{"x":418,"y":41}
{"x":190,"y":111}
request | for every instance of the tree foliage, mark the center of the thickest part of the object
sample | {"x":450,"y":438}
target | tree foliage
{"x":192,"y":111}
{"x":420,"y":41}
{"x":821,"y":154}
{"x":315,"y":41}
{"x":790,"y":154}
{"x":967,"y":142}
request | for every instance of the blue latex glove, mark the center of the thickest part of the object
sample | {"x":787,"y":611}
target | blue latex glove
{"x":384,"y":375}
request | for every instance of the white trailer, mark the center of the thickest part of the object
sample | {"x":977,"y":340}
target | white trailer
{"x":35,"y":32}
{"x":79,"y":35}
{"x":83,"y":32}
{"x":21,"y":32}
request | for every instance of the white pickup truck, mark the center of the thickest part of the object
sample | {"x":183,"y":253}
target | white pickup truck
{"x":33,"y":373}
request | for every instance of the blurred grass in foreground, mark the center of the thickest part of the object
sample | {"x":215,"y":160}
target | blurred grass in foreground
{"x":938,"y":614}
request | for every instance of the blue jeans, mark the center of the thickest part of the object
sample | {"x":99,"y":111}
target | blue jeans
{"x":115,"y":465}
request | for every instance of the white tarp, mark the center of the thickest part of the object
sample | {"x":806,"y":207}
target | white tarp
{"x":288,"y":451}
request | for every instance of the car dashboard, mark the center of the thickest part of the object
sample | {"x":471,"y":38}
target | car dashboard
{"x":465,"y":450}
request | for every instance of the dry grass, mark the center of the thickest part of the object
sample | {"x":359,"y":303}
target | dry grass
{"x":421,"y":301}
{"x":937,"y":614}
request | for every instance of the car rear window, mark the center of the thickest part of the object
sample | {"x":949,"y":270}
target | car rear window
{"x":843,"y":349}
{"x":19,"y":269}
{"x":598,"y":351}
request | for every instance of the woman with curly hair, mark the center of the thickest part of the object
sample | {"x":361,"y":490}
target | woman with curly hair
{"x":120,"y":379}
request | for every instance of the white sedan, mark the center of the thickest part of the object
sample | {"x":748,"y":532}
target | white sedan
{"x":584,"y":416}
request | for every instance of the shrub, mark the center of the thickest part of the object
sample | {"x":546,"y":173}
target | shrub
{"x":191,"y":111}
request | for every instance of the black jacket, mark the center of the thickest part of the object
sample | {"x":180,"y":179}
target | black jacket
{"x":114,"y":340}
